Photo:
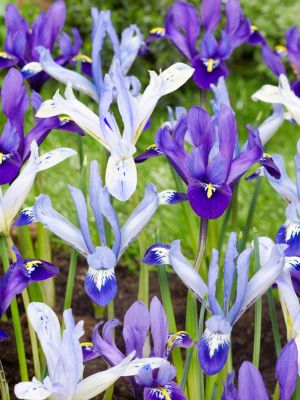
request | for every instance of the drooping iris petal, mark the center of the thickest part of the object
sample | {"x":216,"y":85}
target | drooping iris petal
{"x":39,"y":270}
{"x":209,"y":207}
{"x":169,"y":391}
{"x":34,"y":390}
{"x":171,"y":197}
{"x":214,"y":345}
{"x":121,"y":177}
{"x":26,"y":217}
{"x":178,"y":339}
{"x":251,"y":384}
{"x":101,"y":285}
{"x":203,"y":78}
{"x":89,"y":352}
{"x":157,"y":254}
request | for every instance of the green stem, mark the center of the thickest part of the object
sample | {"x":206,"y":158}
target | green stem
{"x":202,"y":243}
{"x":168,"y":307}
{"x":15,"y":318}
{"x":4,"y":390}
{"x":274,"y":322}
{"x":201,"y":330}
{"x":33,"y":340}
{"x":235,"y":208}
{"x":71,"y":280}
{"x":277,"y":393}
{"x":296,"y":395}
{"x":258,"y":310}
{"x":250,"y":215}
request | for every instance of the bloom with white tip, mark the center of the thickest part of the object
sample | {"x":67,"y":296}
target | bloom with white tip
{"x":214,"y":344}
{"x":282,"y":94}
{"x":65,"y":361}
{"x":12,"y":200}
{"x":121,"y":173}
{"x":100,"y":281}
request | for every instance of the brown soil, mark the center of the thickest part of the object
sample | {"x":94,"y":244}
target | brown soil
{"x":128,"y":285}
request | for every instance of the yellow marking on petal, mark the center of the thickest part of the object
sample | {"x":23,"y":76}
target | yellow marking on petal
{"x":158,"y":30}
{"x":87,"y":344}
{"x":3,"y":54}
{"x":209,"y":190}
{"x":82,"y":57}
{"x":266,"y":155}
{"x":65,"y":118}
{"x":164,"y":392}
{"x":30,"y":264}
{"x":1,"y":158}
{"x":281,"y":49}
{"x":210,"y":64}
{"x":152,"y":146}
{"x":254,"y":28}
{"x":173,"y":339}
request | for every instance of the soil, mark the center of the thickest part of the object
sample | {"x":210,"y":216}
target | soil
{"x":242,"y":337}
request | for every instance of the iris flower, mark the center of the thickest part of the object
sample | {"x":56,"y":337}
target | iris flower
{"x":289,"y":232}
{"x":138,"y":322}
{"x":21,"y":42}
{"x":14,"y":143}
{"x":100,"y":281}
{"x":12,"y":200}
{"x":121,"y":174}
{"x":212,"y":166}
{"x":125,"y":51}
{"x":283,"y":94}
{"x":20,"y":275}
{"x":65,"y":362}
{"x":251,"y":384}
{"x":183,"y":25}
{"x":215,"y":343}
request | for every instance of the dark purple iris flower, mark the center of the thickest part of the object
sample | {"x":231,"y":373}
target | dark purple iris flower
{"x":22,"y":39}
{"x":20,"y":275}
{"x":212,"y":167}
{"x":14,"y":144}
{"x":251,"y":384}
{"x":138,"y":322}
{"x":290,"y":52}
{"x":183,"y":26}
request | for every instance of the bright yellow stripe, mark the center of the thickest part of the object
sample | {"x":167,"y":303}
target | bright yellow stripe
{"x":87,"y":344}
{"x":3,"y":54}
{"x":159,"y":30}
{"x":173,"y":339}
{"x":164,"y":392}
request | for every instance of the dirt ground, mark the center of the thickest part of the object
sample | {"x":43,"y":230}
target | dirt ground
{"x":242,"y":337}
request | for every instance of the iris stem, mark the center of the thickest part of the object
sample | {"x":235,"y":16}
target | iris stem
{"x":250,"y":215}
{"x":168,"y":307}
{"x":274,"y":322}
{"x":71,"y":280}
{"x":201,"y":330}
{"x":15,"y":318}
{"x":258,"y":310}
{"x":202,"y":243}
{"x":33,"y":340}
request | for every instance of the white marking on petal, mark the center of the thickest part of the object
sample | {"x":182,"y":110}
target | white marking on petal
{"x":215,"y":341}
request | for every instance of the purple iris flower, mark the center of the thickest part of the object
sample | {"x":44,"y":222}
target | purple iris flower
{"x":138,"y":323}
{"x":250,"y":381}
{"x":20,"y":275}
{"x":21,"y":42}
{"x":214,"y":344}
{"x":14,"y":144}
{"x":215,"y":163}
{"x":183,"y":26}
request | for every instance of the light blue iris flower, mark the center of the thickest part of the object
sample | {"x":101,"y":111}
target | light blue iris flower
{"x":100,"y":281}
{"x":214,"y":345}
{"x":125,"y":51}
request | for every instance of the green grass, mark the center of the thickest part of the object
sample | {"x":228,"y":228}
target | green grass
{"x":247,"y":74}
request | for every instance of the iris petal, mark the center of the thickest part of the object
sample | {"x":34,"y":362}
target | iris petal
{"x":101,"y":285}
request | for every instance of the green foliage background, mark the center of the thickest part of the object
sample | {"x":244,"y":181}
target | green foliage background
{"x":247,"y":74}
